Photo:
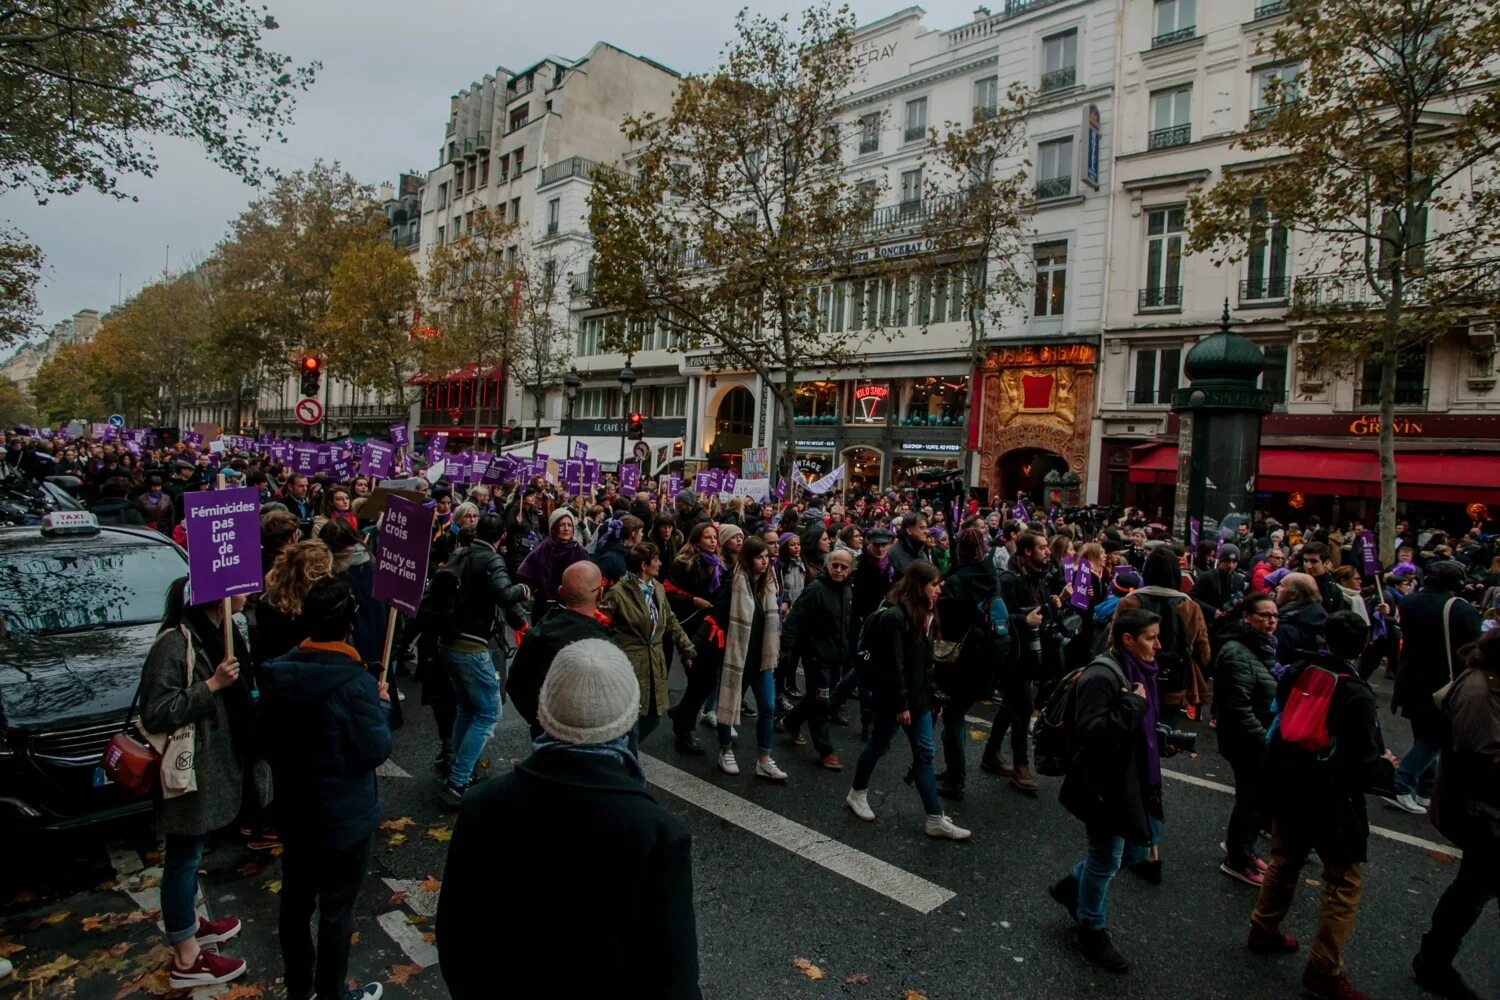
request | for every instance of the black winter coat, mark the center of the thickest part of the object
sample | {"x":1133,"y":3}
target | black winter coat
{"x":870,"y":583}
{"x":610,"y":558}
{"x":538,"y":648}
{"x":1425,"y":663}
{"x":899,"y":673}
{"x":1107,"y":785}
{"x":598,"y":858}
{"x":817,"y":627}
{"x":1244,"y":688}
{"x":1323,"y":801}
{"x":963,"y":610}
{"x":486,"y":588}
{"x":325,"y":734}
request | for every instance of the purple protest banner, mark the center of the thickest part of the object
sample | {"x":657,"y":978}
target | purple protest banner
{"x":479,"y":465}
{"x":376,"y":457}
{"x":591,"y":472}
{"x":1368,"y":555}
{"x":711,"y":479}
{"x":674,"y":483}
{"x":573,"y":473}
{"x":401,"y":563}
{"x":498,"y":470}
{"x":400,"y":436}
{"x":437,"y":447}
{"x":1018,"y":512}
{"x":780,"y":487}
{"x":1193,"y":528}
{"x":305,"y":459}
{"x":726,"y":484}
{"x":326,"y":453}
{"x":1083,"y":585}
{"x":192,"y":437}
{"x":343,"y":466}
{"x":581,"y":450}
{"x":223,"y":543}
{"x":539,"y":465}
{"x":630,"y":478}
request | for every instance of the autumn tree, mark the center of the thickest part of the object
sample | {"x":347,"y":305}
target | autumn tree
{"x":366,"y":336}
{"x":150,"y":353}
{"x":542,"y":351}
{"x":15,"y":407}
{"x":64,"y":388}
{"x":20,"y":269}
{"x":1380,"y":140}
{"x":738,"y":206}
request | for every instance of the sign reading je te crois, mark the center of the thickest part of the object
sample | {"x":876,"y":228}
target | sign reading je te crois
{"x":401,"y":560}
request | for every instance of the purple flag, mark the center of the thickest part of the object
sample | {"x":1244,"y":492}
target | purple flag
{"x":401,"y":556}
{"x":1018,"y":512}
{"x":376,"y":457}
{"x":1193,"y":528}
{"x":223,"y":543}
{"x":780,"y":487}
{"x":400,"y":436}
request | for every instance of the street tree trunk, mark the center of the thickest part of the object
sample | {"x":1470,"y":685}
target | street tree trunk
{"x":784,"y":399}
{"x":1386,"y":522}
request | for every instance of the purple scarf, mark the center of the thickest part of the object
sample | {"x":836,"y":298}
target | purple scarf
{"x":711,"y":560}
{"x":1138,"y":672}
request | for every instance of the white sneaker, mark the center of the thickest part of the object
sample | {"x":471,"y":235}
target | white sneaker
{"x":859,"y":804}
{"x":6,"y":968}
{"x":369,"y":991}
{"x":727,"y":763}
{"x":765,"y":767}
{"x":1424,"y":803}
{"x":941,"y":826}
{"x":1410,"y":803}
{"x":708,"y":719}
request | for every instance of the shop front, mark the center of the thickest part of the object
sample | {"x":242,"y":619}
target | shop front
{"x":1033,"y":429}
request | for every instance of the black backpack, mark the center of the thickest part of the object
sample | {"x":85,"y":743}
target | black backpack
{"x":864,"y":648}
{"x":1054,"y":737}
{"x":441,"y":612}
{"x":1174,"y":663}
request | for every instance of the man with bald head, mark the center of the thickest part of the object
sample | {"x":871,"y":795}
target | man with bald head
{"x":575,"y":616}
{"x":1299,"y":633}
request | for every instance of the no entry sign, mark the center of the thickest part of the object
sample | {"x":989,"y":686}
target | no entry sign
{"x":309,"y":411}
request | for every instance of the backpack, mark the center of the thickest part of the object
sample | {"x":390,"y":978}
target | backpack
{"x":441,"y":612}
{"x":1174,"y":663}
{"x":1053,"y":738}
{"x":864,"y":647}
{"x":1303,"y":722}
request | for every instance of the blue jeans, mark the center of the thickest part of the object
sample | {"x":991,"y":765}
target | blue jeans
{"x":478,"y":690}
{"x":179,"y":886}
{"x":764,"y":685}
{"x":1105,"y":856}
{"x":1418,"y":769}
{"x":919,"y":735}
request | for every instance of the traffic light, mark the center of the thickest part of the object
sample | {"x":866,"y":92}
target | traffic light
{"x":312,"y":374}
{"x":637,"y":427}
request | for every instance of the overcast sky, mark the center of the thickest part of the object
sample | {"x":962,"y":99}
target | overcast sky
{"x":379,"y":107}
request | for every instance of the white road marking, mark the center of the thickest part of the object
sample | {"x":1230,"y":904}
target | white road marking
{"x":409,"y":938}
{"x":419,"y":899}
{"x":1216,"y":786}
{"x":390,"y":769}
{"x":857,"y":866}
{"x":124,"y":860}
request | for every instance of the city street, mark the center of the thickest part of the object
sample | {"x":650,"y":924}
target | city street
{"x":784,"y":877}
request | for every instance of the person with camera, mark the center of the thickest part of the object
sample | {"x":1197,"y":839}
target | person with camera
{"x":1113,"y":781}
{"x":1315,"y":795}
{"x":1244,"y":704}
{"x":1032,"y":592}
{"x":968,"y":674}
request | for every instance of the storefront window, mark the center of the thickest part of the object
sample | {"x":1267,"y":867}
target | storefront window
{"x":869,"y":403}
{"x":902,"y":466}
{"x":816,"y":403}
{"x":814,"y":465}
{"x":864,"y":467}
{"x":935,"y":402}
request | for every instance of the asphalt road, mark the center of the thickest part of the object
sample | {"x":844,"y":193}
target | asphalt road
{"x":761,"y":905}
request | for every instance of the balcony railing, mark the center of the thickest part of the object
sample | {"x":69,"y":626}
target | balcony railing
{"x":455,"y":152}
{"x":1261,"y":117}
{"x":573,"y":166}
{"x":1477,"y":282}
{"x":1408,"y":397}
{"x":1149,"y":397}
{"x":984,"y":112}
{"x":1272,"y":9}
{"x":868,"y":146}
{"x":1054,"y":187}
{"x":915,"y":132}
{"x":552,"y":229}
{"x":1173,"y":37}
{"x":1059,"y":78}
{"x":482,"y":142}
{"x":265,"y":415}
{"x":469,"y":148}
{"x":977,"y":30}
{"x":368,"y":411}
{"x":909,"y":214}
{"x":1165,"y":297}
{"x":519,"y":122}
{"x":1166,"y":138}
{"x":1264,"y":290}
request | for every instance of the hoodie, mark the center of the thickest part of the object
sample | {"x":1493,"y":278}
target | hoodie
{"x":325,"y":733}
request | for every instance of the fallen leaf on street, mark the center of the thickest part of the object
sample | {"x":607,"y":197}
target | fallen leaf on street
{"x":8,"y":948}
{"x":398,"y":897}
{"x":1442,"y":856}
{"x":484,"y":763}
{"x":354,"y":938}
{"x":398,"y":825}
{"x":429,"y":937}
{"x":913,"y":995}
{"x":1312,"y":881}
{"x":155,"y":982}
{"x":274,"y":886}
{"x":52,"y":919}
{"x":401,"y":973}
{"x":416,"y":920}
{"x":397,"y":839}
{"x":440,"y":833}
{"x":978,"y":735}
{"x":430,"y":884}
{"x":50,"y":971}
{"x":808,"y":969}
{"x":858,"y":979}
{"x":148,"y":882}
{"x":242,"y":991}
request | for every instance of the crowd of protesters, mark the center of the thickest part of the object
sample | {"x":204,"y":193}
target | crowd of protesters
{"x":791,"y":617}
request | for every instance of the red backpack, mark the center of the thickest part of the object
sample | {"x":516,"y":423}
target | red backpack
{"x":1304,"y":719}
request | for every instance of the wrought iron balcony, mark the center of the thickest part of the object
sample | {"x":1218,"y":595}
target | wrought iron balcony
{"x":552,"y":229}
{"x":1059,"y":78}
{"x":1166,"y":138}
{"x":1408,"y":397}
{"x":368,"y":411}
{"x":469,"y":148}
{"x":1173,"y":37}
{"x":1150,"y":397}
{"x":1272,"y":9}
{"x":915,"y":132}
{"x":912,"y":213}
{"x":1264,"y":290}
{"x":1164,"y":297}
{"x":1054,"y":187}
{"x":573,"y":166}
{"x":984,"y":112}
{"x":455,"y":152}
{"x":482,"y":142}
{"x":868,"y":146}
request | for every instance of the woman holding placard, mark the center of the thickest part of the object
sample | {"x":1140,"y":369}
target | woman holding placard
{"x":193,"y":693}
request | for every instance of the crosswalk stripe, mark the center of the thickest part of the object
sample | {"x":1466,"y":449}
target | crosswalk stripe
{"x":390,"y":769}
{"x":408,"y":938}
{"x":419,"y":899}
{"x":869,"y":871}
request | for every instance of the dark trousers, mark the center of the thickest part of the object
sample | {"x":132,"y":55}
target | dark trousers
{"x":1245,"y":821}
{"x":813,"y":708}
{"x":1014,"y":714}
{"x":847,"y":685}
{"x":327,"y":880}
{"x":1476,"y":885}
{"x":955,"y":732}
{"x":702,"y":678}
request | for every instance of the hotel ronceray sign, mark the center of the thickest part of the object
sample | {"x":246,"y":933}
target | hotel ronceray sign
{"x":1041,"y":355}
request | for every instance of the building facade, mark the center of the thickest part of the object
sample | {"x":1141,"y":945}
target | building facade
{"x":76,"y":329}
{"x":1192,"y":75}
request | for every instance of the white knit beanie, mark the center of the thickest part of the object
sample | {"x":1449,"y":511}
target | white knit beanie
{"x":590,"y":695}
{"x":559,"y":514}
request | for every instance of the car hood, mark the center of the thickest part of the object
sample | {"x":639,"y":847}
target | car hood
{"x":48,"y":681}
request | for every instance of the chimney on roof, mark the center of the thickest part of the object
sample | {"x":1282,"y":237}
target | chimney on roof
{"x":981,"y":13}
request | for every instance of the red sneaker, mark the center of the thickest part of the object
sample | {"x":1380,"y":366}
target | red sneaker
{"x":1266,"y":943}
{"x":212,"y":932}
{"x":1329,"y":987}
{"x":1260,"y":864}
{"x":209,"y":969}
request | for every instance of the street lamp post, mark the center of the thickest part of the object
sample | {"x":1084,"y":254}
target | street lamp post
{"x":571,"y":384}
{"x":627,"y":379}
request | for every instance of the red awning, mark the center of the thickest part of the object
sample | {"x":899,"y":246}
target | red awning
{"x":1445,"y":476}
{"x":458,"y":374}
{"x":454,"y":433}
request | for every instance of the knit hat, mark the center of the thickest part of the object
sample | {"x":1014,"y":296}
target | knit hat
{"x":1229,"y":552}
{"x":785,"y":537}
{"x":728,"y":531}
{"x":558,"y":515}
{"x":590,"y":695}
{"x":1125,"y":582}
{"x":687,"y":496}
{"x":1404,"y":570}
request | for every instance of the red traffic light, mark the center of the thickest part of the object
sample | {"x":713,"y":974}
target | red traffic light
{"x":636,"y":426}
{"x":310,"y":363}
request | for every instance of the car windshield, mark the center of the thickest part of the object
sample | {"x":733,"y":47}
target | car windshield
{"x":52,"y":585}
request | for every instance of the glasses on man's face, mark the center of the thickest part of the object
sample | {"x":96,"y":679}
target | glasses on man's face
{"x":1269,"y":616}
{"x":841,"y":567}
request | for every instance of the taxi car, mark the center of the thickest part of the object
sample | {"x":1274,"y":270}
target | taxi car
{"x":80,"y":605}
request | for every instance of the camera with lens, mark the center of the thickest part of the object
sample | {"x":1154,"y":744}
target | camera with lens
{"x":1058,"y":628}
{"x":1174,"y":741}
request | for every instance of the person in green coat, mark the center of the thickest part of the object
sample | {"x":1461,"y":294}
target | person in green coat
{"x":642,"y":621}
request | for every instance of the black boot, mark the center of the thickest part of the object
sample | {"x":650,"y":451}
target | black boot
{"x":1099,"y":949}
{"x":1442,"y":979}
{"x":864,"y":733}
{"x":1065,"y":891}
{"x":688,"y":743}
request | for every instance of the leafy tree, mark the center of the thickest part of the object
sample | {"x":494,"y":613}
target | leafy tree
{"x":149,"y":353}
{"x":86,"y":84}
{"x":20,"y":269}
{"x":15,"y":407}
{"x":738,"y":206}
{"x":64,"y":388}
{"x":366,"y":336}
{"x":542,"y":353}
{"x":1387,"y":119}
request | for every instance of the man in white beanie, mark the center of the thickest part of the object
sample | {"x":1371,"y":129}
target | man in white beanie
{"x":571,"y":832}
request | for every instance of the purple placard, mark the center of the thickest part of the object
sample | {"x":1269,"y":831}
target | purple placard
{"x":305,"y":459}
{"x":499,"y":469}
{"x":401,"y":555}
{"x":376,"y":457}
{"x":1018,"y":512}
{"x":400,"y":435}
{"x":459,"y":468}
{"x":223,"y":543}
{"x":192,"y":437}
{"x":581,"y":450}
{"x":1193,"y":528}
{"x":1083,"y":585}
{"x":437,"y":447}
{"x":573,"y":473}
{"x":630,"y":478}
{"x":674,"y":483}
{"x":726,"y":484}
{"x":539,"y":465}
{"x":591,"y":474}
{"x":780,"y":487}
{"x":479,"y":465}
{"x":1368,"y":555}
{"x":343,"y":466}
{"x":326,"y":453}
